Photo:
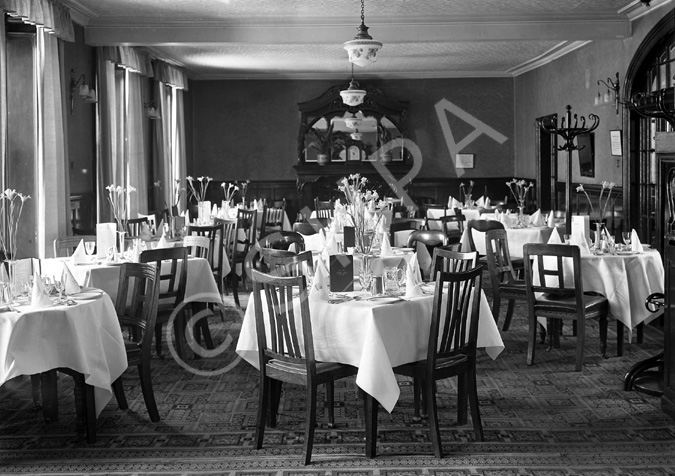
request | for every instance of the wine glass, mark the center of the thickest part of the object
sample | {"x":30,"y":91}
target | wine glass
{"x":89,"y":247}
{"x":60,"y":288}
{"x":365,"y":277}
{"x":626,"y":235}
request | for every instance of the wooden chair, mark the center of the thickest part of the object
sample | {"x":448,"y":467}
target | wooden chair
{"x":286,"y":263}
{"x":214,"y":233}
{"x":453,"y":226}
{"x":324,"y":209}
{"x":139,"y":286}
{"x":563,"y":296}
{"x":152,"y":221}
{"x":484,"y":226}
{"x":273,"y":218}
{"x":242,"y":239}
{"x":135,"y":226}
{"x":282,"y":240}
{"x":451,"y":350}
{"x":432,"y":216}
{"x":304,"y":228}
{"x":283,"y":359}
{"x":402,"y":225}
{"x":198,"y":246}
{"x":502,"y":275}
{"x":173,"y":279}
{"x":69,"y":243}
{"x":430,"y":239}
{"x":448,"y":259}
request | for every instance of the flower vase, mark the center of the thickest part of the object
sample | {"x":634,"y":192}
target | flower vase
{"x":204,"y":212}
{"x":468,"y":203}
{"x":597,"y":235}
{"x":9,"y":288}
{"x":121,"y":235}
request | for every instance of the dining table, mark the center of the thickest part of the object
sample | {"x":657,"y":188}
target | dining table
{"x":516,"y":238}
{"x":84,"y":336}
{"x":373,"y":334}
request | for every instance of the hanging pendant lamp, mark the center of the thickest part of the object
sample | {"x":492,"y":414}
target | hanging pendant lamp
{"x":352,"y":96}
{"x":362,"y":49}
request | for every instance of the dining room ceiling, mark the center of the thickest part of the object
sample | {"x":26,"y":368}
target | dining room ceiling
{"x":302,"y":39}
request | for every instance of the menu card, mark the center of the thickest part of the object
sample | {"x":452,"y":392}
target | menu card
{"x":341,"y":273}
{"x":349,"y":237}
{"x":581,"y":226}
{"x":105,"y":238}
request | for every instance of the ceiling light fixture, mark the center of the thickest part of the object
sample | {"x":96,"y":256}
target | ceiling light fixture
{"x":352,"y":96}
{"x":352,"y":122}
{"x":362,"y":49}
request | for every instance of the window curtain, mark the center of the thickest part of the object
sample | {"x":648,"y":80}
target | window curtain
{"x":51,"y":15}
{"x":169,"y":159}
{"x":52,"y":208}
{"x":122,"y":158}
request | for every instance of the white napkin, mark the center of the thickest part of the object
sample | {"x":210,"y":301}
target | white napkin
{"x":160,"y":228}
{"x":635,"y":244}
{"x":551,"y":219}
{"x":162,"y":243}
{"x":79,"y":256}
{"x":487,"y":202}
{"x":330,"y":249}
{"x":555,"y":239}
{"x":580,"y":240}
{"x":413,"y":278}
{"x":69,"y":282}
{"x":214,"y":210}
{"x":480,"y":202}
{"x":145,"y":234}
{"x":536,"y":219}
{"x":39,"y":295}
{"x":450,"y":199}
{"x":385,"y":247}
{"x":455,"y":204}
{"x":505,"y":220}
{"x":319,"y":291}
{"x":334,"y":226}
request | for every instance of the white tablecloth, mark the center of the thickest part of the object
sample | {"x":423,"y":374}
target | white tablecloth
{"x":517,"y":238}
{"x":374,"y":337}
{"x":201,"y":286}
{"x":86,"y":338}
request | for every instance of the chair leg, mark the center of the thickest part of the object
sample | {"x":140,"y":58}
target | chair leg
{"x":434,"y":429}
{"x":602,"y":327}
{"x":581,"y":342}
{"x":234,"y":288}
{"x":619,"y":337}
{"x":496,"y":304}
{"x":330,"y":402}
{"x":158,"y":340}
{"x":417,"y":391}
{"x":462,"y":398}
{"x":473,"y":404}
{"x":509,"y":314}
{"x":274,"y":389}
{"x":148,"y":394}
{"x":119,"y":394}
{"x":310,"y":424}
{"x":35,"y":391}
{"x":262,"y":411}
{"x":532,"y":339}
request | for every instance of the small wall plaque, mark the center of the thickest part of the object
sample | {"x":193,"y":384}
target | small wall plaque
{"x":464,"y":161}
{"x":615,"y":143}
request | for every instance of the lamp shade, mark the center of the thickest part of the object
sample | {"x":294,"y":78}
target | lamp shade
{"x":352,"y":122}
{"x":353,"y":96}
{"x":362,"y":52}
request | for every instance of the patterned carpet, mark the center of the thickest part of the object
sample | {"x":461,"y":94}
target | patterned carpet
{"x":544,"y":420}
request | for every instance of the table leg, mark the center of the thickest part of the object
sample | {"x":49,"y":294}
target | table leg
{"x":370,"y":405}
{"x":50,"y":401}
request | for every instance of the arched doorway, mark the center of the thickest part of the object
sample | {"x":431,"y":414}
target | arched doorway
{"x":651,"y":69}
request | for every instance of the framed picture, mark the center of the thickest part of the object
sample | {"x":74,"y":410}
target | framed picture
{"x":464,"y":161}
{"x":615,"y":143}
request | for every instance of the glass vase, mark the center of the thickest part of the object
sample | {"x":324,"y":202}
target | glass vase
{"x":9,"y":287}
{"x":121,"y":236}
{"x":468,"y":203}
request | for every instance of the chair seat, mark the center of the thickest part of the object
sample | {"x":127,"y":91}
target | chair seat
{"x":514,"y":288}
{"x":413,"y":369}
{"x":300,"y":369}
{"x":553,"y":306}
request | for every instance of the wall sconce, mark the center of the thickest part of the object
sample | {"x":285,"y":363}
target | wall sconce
{"x":79,"y":88}
{"x":606,"y":98}
{"x":151,"y":111}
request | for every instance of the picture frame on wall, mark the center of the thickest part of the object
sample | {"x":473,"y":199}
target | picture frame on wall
{"x":615,"y":143}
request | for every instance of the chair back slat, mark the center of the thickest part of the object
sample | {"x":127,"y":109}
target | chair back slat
{"x":282,"y":335}
{"x":198,"y":246}
{"x":142,"y":281}
{"x":448,"y":260}
{"x":172,"y":280}
{"x":547,"y":263}
{"x":135,"y":226}
{"x":483,"y":226}
{"x":215,"y":254}
{"x":286,"y":263}
{"x":499,"y":257}
{"x":454,"y":322}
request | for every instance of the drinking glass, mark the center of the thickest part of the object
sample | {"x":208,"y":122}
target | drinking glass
{"x":365,"y":277}
{"x":566,"y":238}
{"x":60,"y":288}
{"x":626,"y":235}
{"x":89,"y":247}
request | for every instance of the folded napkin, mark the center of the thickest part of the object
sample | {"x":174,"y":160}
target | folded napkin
{"x":505,"y":220}
{"x":555,"y":239}
{"x":551,"y":219}
{"x":579,"y":240}
{"x":487,"y":202}
{"x":214,"y":210}
{"x":480,"y":202}
{"x":319,"y":290}
{"x":385,"y":247}
{"x":145,"y":234}
{"x":334,"y":226}
{"x":413,"y":278}
{"x":39,"y":296}
{"x":635,"y":244}
{"x":330,"y":249}
{"x":162,"y":243}
{"x":455,"y":204}
{"x":79,"y":256}
{"x":69,"y":282}
{"x":536,"y":219}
